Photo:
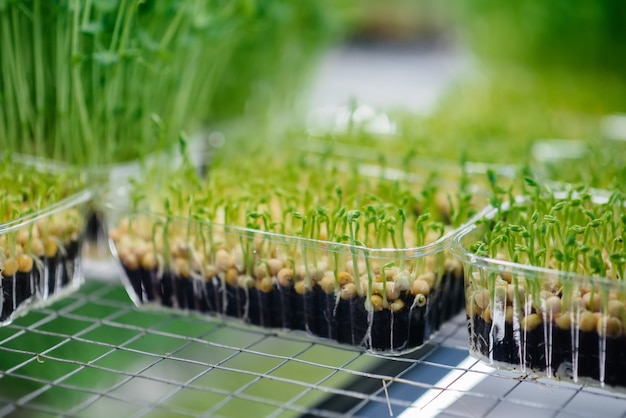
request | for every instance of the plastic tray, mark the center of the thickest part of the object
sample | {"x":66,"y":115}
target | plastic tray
{"x":393,"y":303}
{"x":542,"y":321}
{"x":41,"y":257}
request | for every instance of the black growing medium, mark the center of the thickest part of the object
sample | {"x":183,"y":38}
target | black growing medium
{"x":552,"y":349}
{"x":321,"y":314}
{"x":47,"y":277}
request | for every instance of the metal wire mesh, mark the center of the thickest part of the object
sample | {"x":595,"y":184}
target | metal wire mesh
{"x":94,"y":354}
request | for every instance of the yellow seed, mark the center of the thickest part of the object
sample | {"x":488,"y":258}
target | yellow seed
{"x":481,"y":298}
{"x":149,"y":261}
{"x":25,"y":263}
{"x":397,"y":305}
{"x":181,"y":266}
{"x":22,"y":236}
{"x":487,"y":315}
{"x":266,"y":284}
{"x":454,"y":266}
{"x":553,"y":304}
{"x":275,"y":265}
{"x":115,"y":234}
{"x":420,"y":286}
{"x":592,"y":301}
{"x":344,"y":278}
{"x":506,"y":276}
{"x":348,"y":291}
{"x":577,"y":304}
{"x":512,"y":290}
{"x":9,"y":267}
{"x":327,"y":283}
{"x":531,"y":322}
{"x":564,"y":321}
{"x":428,"y":277}
{"x":377,"y":302}
{"x":616,"y":308}
{"x":130,"y":261}
{"x":301,"y":272}
{"x":36,"y":246}
{"x":260,"y":271}
{"x":587,"y":321}
{"x":245,"y":281}
{"x":391,"y":273}
{"x":393,"y":292}
{"x":285,"y":276}
{"x":232,"y":276}
{"x":223,"y":260}
{"x":508,"y":314}
{"x":299,"y":287}
{"x":609,"y":326}
{"x":209,"y":271}
{"x":140,"y":248}
{"x":50,"y":248}
{"x":403,"y":281}
{"x":377,"y":288}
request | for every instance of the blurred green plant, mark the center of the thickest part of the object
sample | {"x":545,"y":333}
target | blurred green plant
{"x":95,"y":82}
{"x":586,"y":35}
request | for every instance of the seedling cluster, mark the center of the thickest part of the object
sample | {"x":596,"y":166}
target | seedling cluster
{"x":545,"y":282}
{"x":300,"y":242}
{"x":40,"y":235}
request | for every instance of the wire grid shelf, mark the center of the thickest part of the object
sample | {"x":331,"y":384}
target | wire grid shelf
{"x":94,"y":354}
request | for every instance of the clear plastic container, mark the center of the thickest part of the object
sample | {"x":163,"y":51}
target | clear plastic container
{"x":40,"y":255}
{"x":380,"y":300}
{"x":542,"y":321}
{"x":105,"y":178}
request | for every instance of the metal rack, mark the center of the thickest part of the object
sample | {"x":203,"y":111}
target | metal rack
{"x":94,"y":354}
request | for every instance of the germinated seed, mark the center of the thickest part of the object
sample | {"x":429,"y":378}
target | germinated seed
{"x":616,"y":308}
{"x":344,"y":278}
{"x":393,"y":291}
{"x":486,"y":315}
{"x":25,"y":263}
{"x":428,"y":277}
{"x":9,"y":267}
{"x":274,"y":265}
{"x":223,"y":260}
{"x":587,"y":321}
{"x":266,"y":284}
{"x":592,"y":301}
{"x":348,"y":291}
{"x":328,"y":283}
{"x":420,"y":287}
{"x":609,"y":326}
{"x":481,"y":298}
{"x":420,"y":300}
{"x":232,"y":276}
{"x":564,"y":321}
{"x":508,"y":314}
{"x":377,"y":302}
{"x":553,"y":304}
{"x":397,"y":305}
{"x":285,"y":276}
{"x":530,"y":322}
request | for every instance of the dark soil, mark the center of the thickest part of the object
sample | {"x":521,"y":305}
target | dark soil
{"x":315,"y":311}
{"x":560,"y":353}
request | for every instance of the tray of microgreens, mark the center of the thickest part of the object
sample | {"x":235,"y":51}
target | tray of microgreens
{"x":41,"y":226}
{"x":544,"y":283}
{"x":293,"y":242}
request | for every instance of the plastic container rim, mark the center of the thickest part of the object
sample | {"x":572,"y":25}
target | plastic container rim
{"x":434,"y":247}
{"x":460,"y":252}
{"x":63,"y":204}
